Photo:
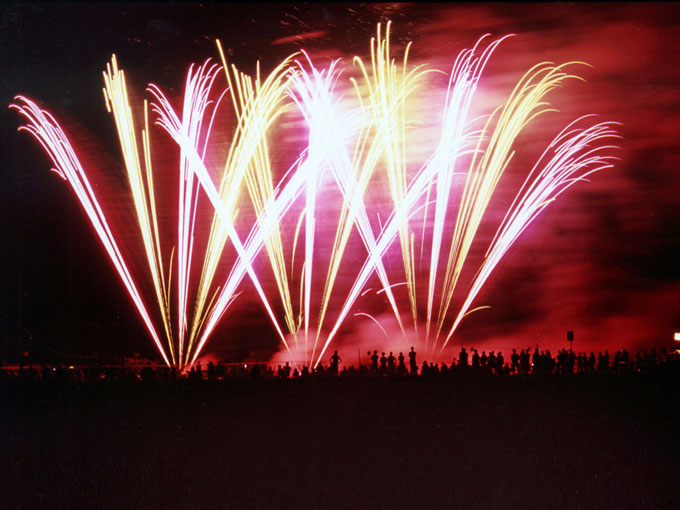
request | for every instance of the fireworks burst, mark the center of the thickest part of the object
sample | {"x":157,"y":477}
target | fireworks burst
{"x":355,"y":146}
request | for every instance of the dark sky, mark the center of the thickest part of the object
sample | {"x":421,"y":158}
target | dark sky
{"x":602,"y":261}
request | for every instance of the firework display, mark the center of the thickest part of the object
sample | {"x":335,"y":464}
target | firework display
{"x":239,"y":210}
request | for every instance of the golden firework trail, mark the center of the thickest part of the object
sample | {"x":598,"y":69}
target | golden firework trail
{"x":141,"y":184}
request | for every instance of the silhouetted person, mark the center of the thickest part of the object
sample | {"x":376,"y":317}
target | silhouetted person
{"x":412,"y":362}
{"x":335,"y":363}
{"x":548,"y":362}
{"x":391,"y":364}
{"x":536,"y":359}
{"x":463,"y":358}
{"x":525,"y":361}
{"x":492,"y":362}
{"x":500,"y":361}
{"x":514,"y":362}
{"x":383,"y":364}
{"x":475,"y":359}
{"x":401,"y":367}
{"x":618,"y":361}
{"x":374,"y":362}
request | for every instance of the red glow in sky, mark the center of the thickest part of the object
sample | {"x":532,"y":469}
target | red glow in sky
{"x":601,"y":261}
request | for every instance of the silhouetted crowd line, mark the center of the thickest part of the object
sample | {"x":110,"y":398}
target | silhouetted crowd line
{"x":523,"y":363}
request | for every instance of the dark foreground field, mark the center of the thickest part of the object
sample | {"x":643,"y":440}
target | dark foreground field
{"x":567,"y":442}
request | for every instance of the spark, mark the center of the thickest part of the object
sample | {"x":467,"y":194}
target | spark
{"x":362,"y":314}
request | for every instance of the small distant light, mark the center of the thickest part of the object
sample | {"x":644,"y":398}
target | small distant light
{"x":245,"y":366}
{"x":676,"y":337}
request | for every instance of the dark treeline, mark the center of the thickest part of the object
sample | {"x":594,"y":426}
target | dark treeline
{"x":518,"y":364}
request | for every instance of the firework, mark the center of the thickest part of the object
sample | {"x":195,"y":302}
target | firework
{"x":66,"y":164}
{"x":355,"y":145}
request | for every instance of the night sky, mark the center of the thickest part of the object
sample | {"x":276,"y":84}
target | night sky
{"x":602,"y":260}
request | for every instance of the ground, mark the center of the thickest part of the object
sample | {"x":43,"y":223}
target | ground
{"x":558,"y":442}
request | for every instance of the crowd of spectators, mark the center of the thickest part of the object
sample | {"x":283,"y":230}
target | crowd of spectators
{"x":527,"y":362}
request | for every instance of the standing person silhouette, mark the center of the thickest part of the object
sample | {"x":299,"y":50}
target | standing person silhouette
{"x":335,"y":363}
{"x":374,"y":362}
{"x":383,"y":364}
{"x":412,"y":362}
{"x":514,"y":362}
{"x":463,"y":358}
{"x":391,"y":363}
{"x":401,"y":367}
